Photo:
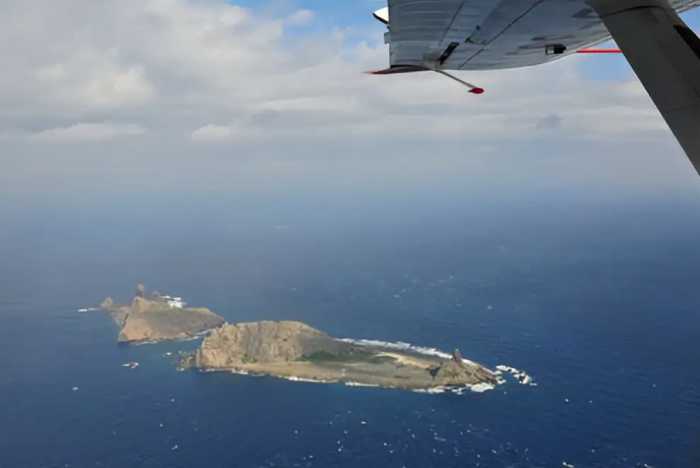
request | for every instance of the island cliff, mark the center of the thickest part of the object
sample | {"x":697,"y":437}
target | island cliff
{"x":297,"y":351}
{"x":153,"y":317}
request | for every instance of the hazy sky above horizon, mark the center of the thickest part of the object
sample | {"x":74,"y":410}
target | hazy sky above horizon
{"x":208,"y":95}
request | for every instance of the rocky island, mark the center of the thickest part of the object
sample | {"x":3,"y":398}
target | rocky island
{"x":296,"y":351}
{"x":293,"y":350}
{"x":154,"y":317}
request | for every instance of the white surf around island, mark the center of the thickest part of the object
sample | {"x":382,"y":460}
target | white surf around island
{"x":360,"y":384}
{"x":519,"y":375}
{"x":293,"y":378}
{"x":476,"y":388}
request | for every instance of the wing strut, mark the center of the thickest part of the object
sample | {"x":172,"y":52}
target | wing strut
{"x":472,"y":88}
{"x":412,"y":68}
{"x":665,"y":54}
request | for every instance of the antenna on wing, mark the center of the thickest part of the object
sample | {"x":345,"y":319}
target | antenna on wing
{"x":472,"y":88}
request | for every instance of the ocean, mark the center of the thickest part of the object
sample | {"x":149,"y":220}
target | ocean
{"x":595,"y":295}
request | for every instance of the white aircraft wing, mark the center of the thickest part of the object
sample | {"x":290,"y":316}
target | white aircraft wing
{"x":488,"y":34}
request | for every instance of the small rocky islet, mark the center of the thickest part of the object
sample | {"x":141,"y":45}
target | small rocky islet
{"x":153,"y":317}
{"x":289,"y":349}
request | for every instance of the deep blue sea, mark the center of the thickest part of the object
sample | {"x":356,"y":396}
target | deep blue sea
{"x":595,"y":295}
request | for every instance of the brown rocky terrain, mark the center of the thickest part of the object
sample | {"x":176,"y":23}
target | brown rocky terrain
{"x":150,"y":318}
{"x":297,"y":351}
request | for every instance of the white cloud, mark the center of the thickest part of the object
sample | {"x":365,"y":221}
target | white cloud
{"x":119,"y":87}
{"x":184,"y":65}
{"x":213,"y":134}
{"x":300,"y":18}
{"x":89,"y":83}
{"x":86,"y":132}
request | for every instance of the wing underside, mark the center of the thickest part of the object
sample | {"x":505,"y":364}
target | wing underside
{"x":483,"y":34}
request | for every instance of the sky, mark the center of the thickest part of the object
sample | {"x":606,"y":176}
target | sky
{"x":121,"y":96}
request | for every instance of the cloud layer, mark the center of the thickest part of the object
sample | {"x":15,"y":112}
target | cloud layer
{"x":210,"y":74}
{"x":211,"y":65}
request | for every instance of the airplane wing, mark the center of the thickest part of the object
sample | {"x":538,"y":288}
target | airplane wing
{"x":488,"y":34}
{"x":496,"y":34}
